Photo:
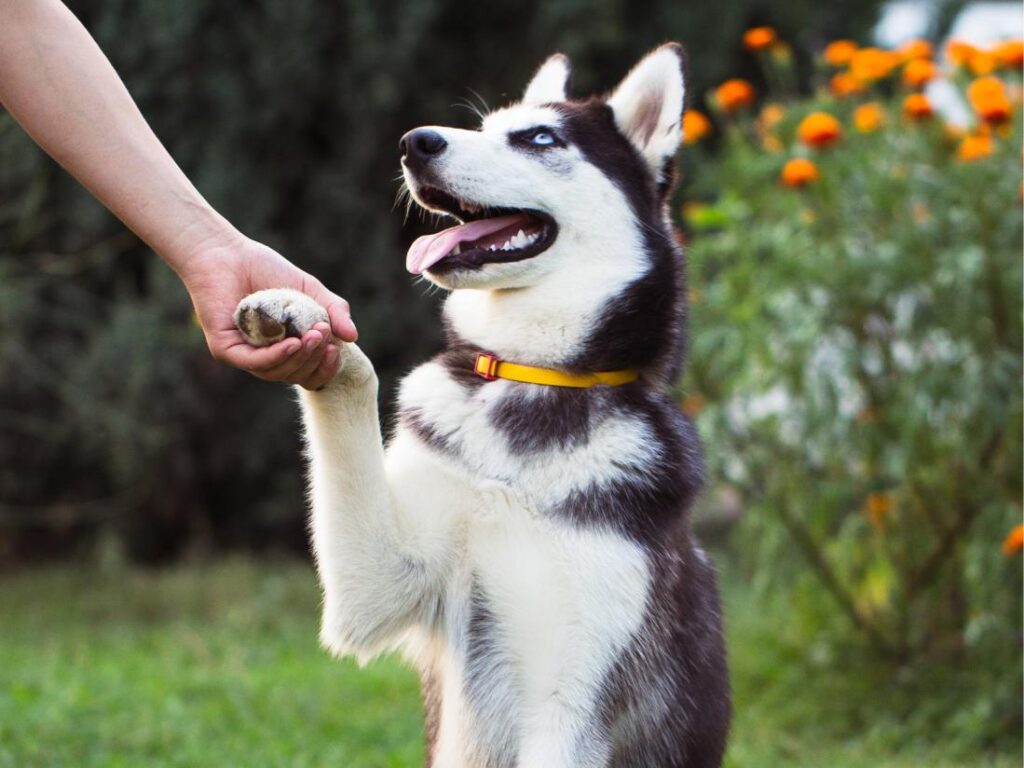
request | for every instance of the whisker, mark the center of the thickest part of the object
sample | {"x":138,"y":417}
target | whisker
{"x":467,"y":104}
{"x":483,"y":103}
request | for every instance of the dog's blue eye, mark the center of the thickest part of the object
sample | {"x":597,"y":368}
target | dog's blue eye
{"x":543,"y":138}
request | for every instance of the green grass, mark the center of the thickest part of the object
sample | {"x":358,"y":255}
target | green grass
{"x":217,"y":665}
{"x":199,"y":666}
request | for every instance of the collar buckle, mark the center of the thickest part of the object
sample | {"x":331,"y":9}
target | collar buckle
{"x":486,"y":366}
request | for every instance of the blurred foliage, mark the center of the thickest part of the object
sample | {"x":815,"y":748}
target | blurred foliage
{"x":287,"y":115}
{"x":856,"y":367}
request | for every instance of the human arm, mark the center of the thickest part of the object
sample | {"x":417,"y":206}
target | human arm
{"x":56,"y":82}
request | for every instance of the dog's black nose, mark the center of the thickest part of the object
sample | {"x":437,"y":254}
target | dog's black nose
{"x":420,"y":145}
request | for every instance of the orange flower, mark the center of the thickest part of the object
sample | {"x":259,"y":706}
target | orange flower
{"x":871,"y":64}
{"x":974,"y":147}
{"x":954,"y":132}
{"x":868,"y":117}
{"x":758,"y":38}
{"x":982,"y":63}
{"x":1010,"y":54}
{"x":917,"y":107}
{"x":733,"y":94}
{"x":959,"y":52}
{"x":1014,"y":541}
{"x":919,"y":72}
{"x":781,"y":52}
{"x":770,"y":116}
{"x":695,"y":126}
{"x":819,"y":129}
{"x":799,"y":172}
{"x":916,"y":49}
{"x":844,"y":84}
{"x":878,"y":508}
{"x":839,"y":52}
{"x":988,"y":97}
{"x":693,"y":404}
{"x":867,"y":415}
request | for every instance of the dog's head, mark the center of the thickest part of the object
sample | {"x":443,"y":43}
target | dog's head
{"x":550,"y":193}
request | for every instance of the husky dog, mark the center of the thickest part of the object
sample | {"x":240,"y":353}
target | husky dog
{"x":523,"y":540}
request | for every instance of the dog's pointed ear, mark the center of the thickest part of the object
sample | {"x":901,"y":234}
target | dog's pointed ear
{"x":648,"y":105}
{"x":551,"y":83}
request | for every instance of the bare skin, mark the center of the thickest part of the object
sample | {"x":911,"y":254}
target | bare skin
{"x":58,"y":85}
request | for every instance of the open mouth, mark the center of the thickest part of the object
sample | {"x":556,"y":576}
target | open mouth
{"x":487,"y":235}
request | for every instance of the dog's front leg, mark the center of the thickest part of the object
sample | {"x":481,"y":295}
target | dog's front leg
{"x":561,"y":737}
{"x":378,"y":574}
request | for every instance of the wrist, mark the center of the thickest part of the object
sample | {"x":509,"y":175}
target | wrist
{"x":208,"y":236}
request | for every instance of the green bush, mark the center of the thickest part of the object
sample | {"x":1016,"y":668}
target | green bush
{"x":856,"y":365}
{"x":287,"y":116}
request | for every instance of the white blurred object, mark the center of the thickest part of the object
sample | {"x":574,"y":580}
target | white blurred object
{"x":979,"y":24}
{"x":903,"y":20}
{"x":986,"y":23}
{"x":949,"y":102}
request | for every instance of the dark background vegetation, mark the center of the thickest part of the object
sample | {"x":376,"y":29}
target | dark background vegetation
{"x":119,"y":436}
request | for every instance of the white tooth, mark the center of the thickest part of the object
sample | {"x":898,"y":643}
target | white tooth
{"x":458,"y":250}
{"x":492,"y":247}
{"x":507,"y":246}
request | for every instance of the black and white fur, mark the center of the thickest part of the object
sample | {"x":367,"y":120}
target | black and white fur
{"x":527,"y":547}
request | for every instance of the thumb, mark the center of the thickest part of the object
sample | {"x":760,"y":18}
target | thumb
{"x":339,"y":313}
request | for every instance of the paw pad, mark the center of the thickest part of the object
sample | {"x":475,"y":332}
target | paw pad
{"x":257,"y":326}
{"x":267,"y":317}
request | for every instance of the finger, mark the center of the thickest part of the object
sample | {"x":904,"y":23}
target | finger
{"x":328,"y":369}
{"x":308,"y":368}
{"x":257,"y":359}
{"x":312,"y":342}
{"x":285,"y":372}
{"x":341,"y":316}
{"x":324,"y":328}
{"x":337,"y":309}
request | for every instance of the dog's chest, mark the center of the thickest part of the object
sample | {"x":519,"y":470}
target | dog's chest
{"x":545,"y":447}
{"x":539,"y":604}
{"x":537,"y":614}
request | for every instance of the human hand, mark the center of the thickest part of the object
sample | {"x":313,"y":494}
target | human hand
{"x":218,"y":277}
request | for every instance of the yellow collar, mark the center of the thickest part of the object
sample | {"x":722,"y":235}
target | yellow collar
{"x":490,"y":368}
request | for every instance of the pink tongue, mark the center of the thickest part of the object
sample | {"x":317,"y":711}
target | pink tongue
{"x":430,"y":249}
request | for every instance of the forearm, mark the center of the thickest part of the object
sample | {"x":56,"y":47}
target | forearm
{"x":56,"y":82}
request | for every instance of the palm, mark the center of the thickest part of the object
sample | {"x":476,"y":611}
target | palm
{"x":223,"y":276}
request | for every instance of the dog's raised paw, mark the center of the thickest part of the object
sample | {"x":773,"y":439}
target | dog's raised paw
{"x":267,"y":317}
